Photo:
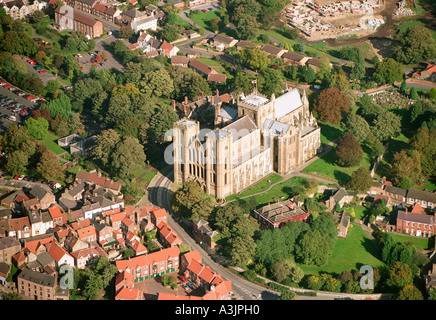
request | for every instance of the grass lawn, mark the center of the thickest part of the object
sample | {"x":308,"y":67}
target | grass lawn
{"x":349,"y":254}
{"x":429,"y":184}
{"x":330,"y":132}
{"x":280,"y":190}
{"x":257,"y":187}
{"x":419,"y":243}
{"x":50,"y":141}
{"x":361,"y":212}
{"x":327,"y":167}
{"x":204,"y":19}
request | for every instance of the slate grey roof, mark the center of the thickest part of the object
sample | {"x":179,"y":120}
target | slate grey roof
{"x":37,"y":277}
{"x":345,"y":219}
{"x":240,"y":127}
{"x":229,"y":113}
{"x":275,"y":127}
{"x":422,"y":195}
{"x":395,"y":190}
{"x":415,"y":217}
{"x":9,"y":242}
{"x":38,"y":192}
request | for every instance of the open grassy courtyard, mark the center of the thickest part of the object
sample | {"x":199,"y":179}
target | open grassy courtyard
{"x":349,"y":254}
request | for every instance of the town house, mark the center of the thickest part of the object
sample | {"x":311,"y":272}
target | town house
{"x":149,"y":266}
{"x":415,"y":224}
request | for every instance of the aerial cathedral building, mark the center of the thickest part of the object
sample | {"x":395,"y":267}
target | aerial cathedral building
{"x":263,"y":135}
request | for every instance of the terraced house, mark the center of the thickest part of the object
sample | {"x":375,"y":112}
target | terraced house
{"x":149,"y":266}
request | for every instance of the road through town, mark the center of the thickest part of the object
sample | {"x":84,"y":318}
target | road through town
{"x":159,"y":195}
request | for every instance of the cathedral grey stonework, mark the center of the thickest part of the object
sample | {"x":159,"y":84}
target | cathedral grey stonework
{"x":263,"y":135}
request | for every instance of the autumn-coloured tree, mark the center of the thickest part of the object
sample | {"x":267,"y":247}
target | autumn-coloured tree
{"x":348,"y":152}
{"x":331,"y":105}
{"x":43,"y":113}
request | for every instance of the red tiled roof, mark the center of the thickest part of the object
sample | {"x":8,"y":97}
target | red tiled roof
{"x":118,"y":216}
{"x":417,"y":209}
{"x":56,"y":251}
{"x":86,"y":232}
{"x":55,"y":212}
{"x":129,"y":293}
{"x":160,"y":213}
{"x":95,"y":179}
{"x":218,"y":78}
{"x":81,"y":224}
{"x":166,"y":47}
{"x":200,"y":66}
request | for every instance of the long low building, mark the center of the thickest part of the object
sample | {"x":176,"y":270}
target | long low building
{"x":78,"y":22}
{"x":148,"y":266}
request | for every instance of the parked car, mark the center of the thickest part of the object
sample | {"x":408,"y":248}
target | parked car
{"x":30,"y":97}
{"x":7,"y":85}
{"x":190,"y":285}
{"x":42,"y":71}
{"x":31,"y":61}
{"x":16,"y":177}
{"x":12,"y":118}
{"x":184,"y":286}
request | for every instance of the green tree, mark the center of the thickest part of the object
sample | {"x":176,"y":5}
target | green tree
{"x":17,"y":162}
{"x":358,"y":126}
{"x":37,"y":128}
{"x":127,"y":156}
{"x":404,"y":165}
{"x":399,"y":276}
{"x":254,"y":58}
{"x":242,"y":250}
{"x":388,"y":71}
{"x":104,"y":145}
{"x":413,"y":93}
{"x":272,"y":82}
{"x":361,"y":180}
{"x":416,"y":45}
{"x":386,"y":125}
{"x":60,"y":106}
{"x":312,"y":249}
{"x":162,"y":121}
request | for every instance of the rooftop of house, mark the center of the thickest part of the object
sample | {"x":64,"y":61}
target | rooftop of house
{"x":38,"y":277}
{"x":422,"y":195}
{"x":415,"y":217}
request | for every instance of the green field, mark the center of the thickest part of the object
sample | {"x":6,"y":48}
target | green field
{"x":203,"y":19}
{"x":50,"y":141}
{"x":260,"y":186}
{"x":330,"y":132}
{"x":419,"y":243}
{"x":349,"y":254}
{"x":327,"y":167}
